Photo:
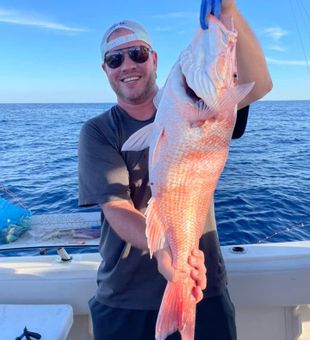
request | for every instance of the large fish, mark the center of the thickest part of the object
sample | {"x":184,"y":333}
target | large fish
{"x":189,"y":142}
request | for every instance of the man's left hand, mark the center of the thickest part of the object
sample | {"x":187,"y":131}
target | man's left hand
{"x":198,"y":273}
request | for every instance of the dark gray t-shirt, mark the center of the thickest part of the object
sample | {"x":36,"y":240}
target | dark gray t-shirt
{"x":127,"y":277}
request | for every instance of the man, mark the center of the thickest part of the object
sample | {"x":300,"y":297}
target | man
{"x":130,"y":284}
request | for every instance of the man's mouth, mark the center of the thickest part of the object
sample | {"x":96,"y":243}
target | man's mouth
{"x":130,"y":79}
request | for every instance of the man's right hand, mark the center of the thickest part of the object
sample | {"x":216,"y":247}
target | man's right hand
{"x":197,"y":273}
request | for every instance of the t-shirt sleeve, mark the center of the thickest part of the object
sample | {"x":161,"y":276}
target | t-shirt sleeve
{"x":241,"y":122}
{"x":103,"y":174}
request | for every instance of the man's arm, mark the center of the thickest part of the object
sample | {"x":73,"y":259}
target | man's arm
{"x":129,"y":224}
{"x":126,"y":221}
{"x":241,"y":122}
{"x":103,"y":177}
{"x":251,"y":62}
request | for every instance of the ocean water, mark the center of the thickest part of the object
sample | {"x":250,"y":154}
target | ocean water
{"x":263,"y":194}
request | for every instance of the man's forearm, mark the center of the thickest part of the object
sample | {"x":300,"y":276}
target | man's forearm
{"x":127,"y":222}
{"x":250,"y":58}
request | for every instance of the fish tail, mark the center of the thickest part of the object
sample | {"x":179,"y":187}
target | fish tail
{"x":177,"y":312}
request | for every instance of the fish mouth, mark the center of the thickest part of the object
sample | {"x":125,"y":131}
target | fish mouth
{"x":189,"y":91}
{"x":200,"y":111}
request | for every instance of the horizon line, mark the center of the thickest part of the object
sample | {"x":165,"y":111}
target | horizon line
{"x":114,"y":103}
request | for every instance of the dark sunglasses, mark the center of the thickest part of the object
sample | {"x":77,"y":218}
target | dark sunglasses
{"x":138,"y":54}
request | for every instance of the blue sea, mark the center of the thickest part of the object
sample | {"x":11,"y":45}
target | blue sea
{"x":263,"y":194}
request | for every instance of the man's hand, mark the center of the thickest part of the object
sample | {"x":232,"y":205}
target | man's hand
{"x":197,"y":273}
{"x":164,"y":264}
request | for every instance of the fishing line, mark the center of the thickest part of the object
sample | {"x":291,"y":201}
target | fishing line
{"x":285,"y":230}
{"x":14,"y":197}
{"x":304,"y":9}
{"x":305,"y":16}
{"x":300,"y":36}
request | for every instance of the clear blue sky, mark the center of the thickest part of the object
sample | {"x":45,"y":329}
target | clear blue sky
{"x":49,"y":50}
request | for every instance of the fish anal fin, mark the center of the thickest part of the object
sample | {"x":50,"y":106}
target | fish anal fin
{"x":155,"y":230}
{"x":140,"y":140}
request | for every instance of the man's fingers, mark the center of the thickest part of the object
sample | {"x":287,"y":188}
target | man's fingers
{"x":197,"y":258}
{"x":198,"y":273}
{"x":197,"y":293}
{"x":200,"y":278}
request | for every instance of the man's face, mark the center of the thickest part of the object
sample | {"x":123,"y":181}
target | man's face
{"x":132,"y":82}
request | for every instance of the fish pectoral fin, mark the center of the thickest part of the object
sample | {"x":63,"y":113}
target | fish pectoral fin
{"x":140,"y":140}
{"x":155,"y":230}
{"x":238,"y":92}
{"x":225,"y":102}
{"x":231,"y":97}
{"x":204,"y":112}
{"x":198,"y":113}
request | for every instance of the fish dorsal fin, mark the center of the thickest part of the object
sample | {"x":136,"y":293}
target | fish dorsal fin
{"x":158,"y":146}
{"x":140,"y":140}
{"x":155,"y":230}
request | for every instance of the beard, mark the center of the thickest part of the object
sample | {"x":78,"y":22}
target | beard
{"x":137,"y":97}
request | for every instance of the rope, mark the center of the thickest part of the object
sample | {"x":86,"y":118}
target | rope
{"x":16,"y":199}
{"x":284,"y":230}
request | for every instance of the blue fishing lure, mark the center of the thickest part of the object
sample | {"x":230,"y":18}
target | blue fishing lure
{"x":209,"y":7}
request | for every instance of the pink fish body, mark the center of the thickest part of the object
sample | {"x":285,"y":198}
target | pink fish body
{"x":189,"y":143}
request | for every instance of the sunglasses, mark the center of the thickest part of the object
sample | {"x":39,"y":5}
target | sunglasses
{"x":138,"y":54}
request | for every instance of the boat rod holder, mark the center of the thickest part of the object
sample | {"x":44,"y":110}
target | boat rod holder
{"x":64,"y":256}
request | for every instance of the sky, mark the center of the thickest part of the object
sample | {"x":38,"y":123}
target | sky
{"x":49,"y":49}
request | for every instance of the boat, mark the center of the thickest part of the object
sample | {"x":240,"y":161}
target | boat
{"x":269,"y":282}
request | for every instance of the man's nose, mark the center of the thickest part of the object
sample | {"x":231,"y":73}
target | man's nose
{"x":128,"y":63}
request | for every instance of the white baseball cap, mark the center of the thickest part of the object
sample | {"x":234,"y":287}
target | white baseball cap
{"x":138,"y":33}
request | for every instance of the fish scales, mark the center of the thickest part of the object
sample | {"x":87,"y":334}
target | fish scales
{"x":185,"y":191}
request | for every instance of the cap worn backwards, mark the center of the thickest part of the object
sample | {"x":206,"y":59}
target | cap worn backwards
{"x":138,"y":33}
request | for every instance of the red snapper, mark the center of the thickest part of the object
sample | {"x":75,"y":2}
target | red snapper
{"x":189,"y":143}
